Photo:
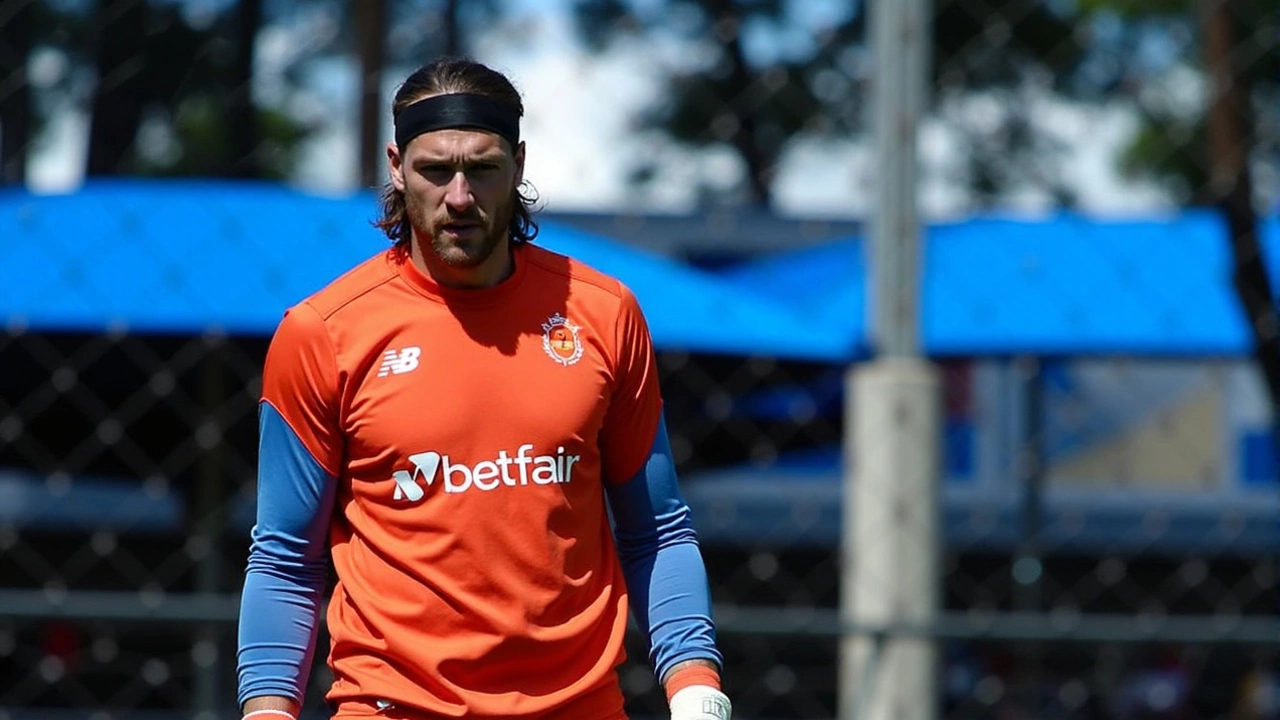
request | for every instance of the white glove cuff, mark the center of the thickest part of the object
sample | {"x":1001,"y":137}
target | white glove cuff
{"x":700,"y":702}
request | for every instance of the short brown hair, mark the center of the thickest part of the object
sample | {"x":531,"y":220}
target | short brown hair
{"x":454,"y":75}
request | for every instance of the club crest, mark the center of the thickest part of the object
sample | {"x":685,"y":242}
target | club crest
{"x":560,"y":340}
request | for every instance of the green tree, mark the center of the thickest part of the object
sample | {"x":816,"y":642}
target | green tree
{"x":756,"y":105}
{"x":371,"y":49}
{"x":16,"y":25}
{"x":424,"y":29}
{"x":1173,"y":145}
{"x":173,"y":96}
{"x":28,"y":27}
{"x":406,"y":33}
{"x":1204,"y":152}
{"x":728,"y":99}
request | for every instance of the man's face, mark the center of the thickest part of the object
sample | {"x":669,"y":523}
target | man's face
{"x":459,"y":190}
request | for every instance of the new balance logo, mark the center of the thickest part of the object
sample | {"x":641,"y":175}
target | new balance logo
{"x":398,"y":362}
{"x":511,"y":470}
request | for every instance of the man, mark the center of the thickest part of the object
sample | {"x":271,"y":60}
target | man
{"x":452,"y":423}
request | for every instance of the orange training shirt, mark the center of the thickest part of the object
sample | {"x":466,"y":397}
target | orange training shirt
{"x":470,"y":433}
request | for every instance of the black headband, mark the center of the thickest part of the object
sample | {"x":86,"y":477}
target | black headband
{"x":458,"y":110}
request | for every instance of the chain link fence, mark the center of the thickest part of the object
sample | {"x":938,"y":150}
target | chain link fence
{"x":1109,"y":519}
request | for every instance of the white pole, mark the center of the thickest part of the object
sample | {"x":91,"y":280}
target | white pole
{"x":891,"y":516}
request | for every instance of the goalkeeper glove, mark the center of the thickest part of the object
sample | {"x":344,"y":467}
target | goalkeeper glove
{"x":700,"y":702}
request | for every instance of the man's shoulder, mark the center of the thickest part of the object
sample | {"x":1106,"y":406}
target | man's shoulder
{"x":577,"y":273}
{"x":353,"y":284}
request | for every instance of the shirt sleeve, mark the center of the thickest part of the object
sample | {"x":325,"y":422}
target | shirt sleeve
{"x":299,"y":456}
{"x":653,"y":527}
{"x":635,"y":407}
{"x":662,"y":563}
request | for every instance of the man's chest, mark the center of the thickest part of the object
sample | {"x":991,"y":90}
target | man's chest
{"x":489,"y":398}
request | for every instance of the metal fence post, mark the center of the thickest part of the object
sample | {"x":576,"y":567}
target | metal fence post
{"x":891,"y":518}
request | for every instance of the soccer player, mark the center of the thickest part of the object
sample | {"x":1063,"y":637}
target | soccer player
{"x":453,"y":423}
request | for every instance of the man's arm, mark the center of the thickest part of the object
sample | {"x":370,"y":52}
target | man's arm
{"x":272,"y":703}
{"x":668,"y":584}
{"x":689,"y":665}
{"x":693,"y":692}
{"x":657,"y":546}
{"x":689,"y":673}
{"x":280,"y":604}
{"x":298,"y":455}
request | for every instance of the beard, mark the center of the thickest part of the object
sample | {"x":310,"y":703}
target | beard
{"x":470,"y":247}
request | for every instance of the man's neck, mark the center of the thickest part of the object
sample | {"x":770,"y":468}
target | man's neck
{"x":496,"y":268}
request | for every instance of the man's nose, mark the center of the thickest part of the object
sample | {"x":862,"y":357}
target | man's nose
{"x":458,"y":194}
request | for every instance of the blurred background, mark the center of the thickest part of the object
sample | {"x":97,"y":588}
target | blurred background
{"x":1090,"y":202}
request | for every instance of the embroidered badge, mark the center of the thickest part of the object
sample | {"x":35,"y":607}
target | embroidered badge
{"x":560,"y":340}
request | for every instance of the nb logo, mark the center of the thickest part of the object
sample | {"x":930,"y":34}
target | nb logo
{"x":398,"y":362}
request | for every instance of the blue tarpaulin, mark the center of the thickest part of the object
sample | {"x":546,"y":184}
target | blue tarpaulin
{"x":185,"y":257}
{"x":1064,"y":284}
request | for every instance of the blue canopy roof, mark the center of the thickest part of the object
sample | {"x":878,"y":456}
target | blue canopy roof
{"x":184,"y":257}
{"x":1064,"y":284}
{"x":188,"y":256}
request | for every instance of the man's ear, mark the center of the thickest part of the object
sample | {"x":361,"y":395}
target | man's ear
{"x":395,"y":166}
{"x":519,"y":158}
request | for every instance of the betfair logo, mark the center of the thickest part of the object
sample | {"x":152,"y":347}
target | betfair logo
{"x":486,"y":475}
{"x":398,"y":362}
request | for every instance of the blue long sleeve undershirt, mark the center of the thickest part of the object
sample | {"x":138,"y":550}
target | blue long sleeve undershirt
{"x":288,"y":560}
{"x":666,"y":577}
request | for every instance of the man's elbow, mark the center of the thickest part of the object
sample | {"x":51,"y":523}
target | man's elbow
{"x":639,"y":547}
